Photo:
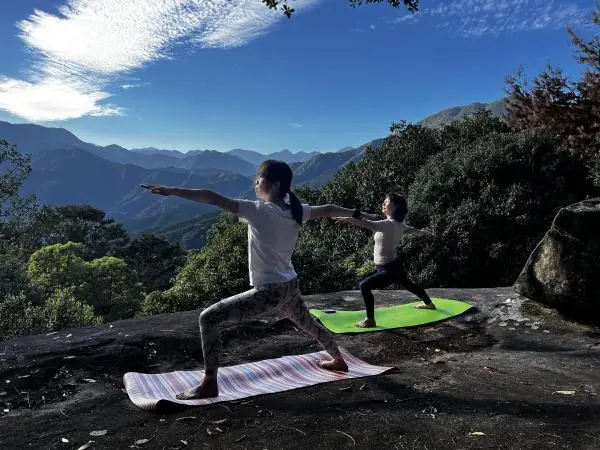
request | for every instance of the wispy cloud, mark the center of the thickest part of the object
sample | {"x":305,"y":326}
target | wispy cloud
{"x":80,"y":50}
{"x":413,"y":17}
{"x":296,"y":125}
{"x":473,"y":18}
{"x":133,"y":85}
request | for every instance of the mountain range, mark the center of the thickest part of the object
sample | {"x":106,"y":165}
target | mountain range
{"x":67,"y":170}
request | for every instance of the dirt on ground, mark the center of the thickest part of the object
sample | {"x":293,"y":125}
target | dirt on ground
{"x":507,"y":375}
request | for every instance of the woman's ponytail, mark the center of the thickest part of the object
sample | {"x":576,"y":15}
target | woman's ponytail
{"x":296,"y":207}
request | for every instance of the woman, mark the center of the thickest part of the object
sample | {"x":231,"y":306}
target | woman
{"x":390,"y":269}
{"x":273,"y":226}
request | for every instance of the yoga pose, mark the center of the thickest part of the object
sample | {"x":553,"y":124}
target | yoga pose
{"x":273,"y":226}
{"x":390,"y":270}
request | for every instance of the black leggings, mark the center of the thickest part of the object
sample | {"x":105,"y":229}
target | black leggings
{"x":392,"y":272}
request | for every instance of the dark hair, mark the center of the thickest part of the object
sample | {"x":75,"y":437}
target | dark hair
{"x":400,"y":206}
{"x":279,"y":171}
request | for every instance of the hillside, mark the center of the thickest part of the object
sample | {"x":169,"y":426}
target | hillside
{"x":191,"y":233}
{"x":34,"y":139}
{"x":63,"y":164}
{"x":215,"y":160}
{"x":497,"y":108}
{"x":61,"y":177}
{"x":284,"y":155}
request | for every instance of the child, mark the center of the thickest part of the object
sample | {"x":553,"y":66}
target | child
{"x":389,"y":266}
{"x":273,"y":226}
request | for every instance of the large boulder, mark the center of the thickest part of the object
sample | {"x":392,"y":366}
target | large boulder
{"x":563,"y":271}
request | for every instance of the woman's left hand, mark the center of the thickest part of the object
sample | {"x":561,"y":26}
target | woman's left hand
{"x":159,"y":190}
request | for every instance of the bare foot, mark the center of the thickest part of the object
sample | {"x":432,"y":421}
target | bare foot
{"x":367,"y":323}
{"x":333,"y":364}
{"x":207,"y":389}
{"x":425,"y":306}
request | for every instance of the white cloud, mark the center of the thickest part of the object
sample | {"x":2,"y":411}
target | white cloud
{"x":472,"y":18}
{"x":372,"y":27}
{"x":87,"y":44}
{"x":295,"y":125}
{"x":52,"y":100}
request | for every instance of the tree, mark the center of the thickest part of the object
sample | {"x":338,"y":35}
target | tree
{"x":569,"y":109}
{"x":217,"y":271}
{"x":411,"y":5}
{"x":14,"y":209}
{"x":488,"y":204}
{"x":112,"y":288}
{"x":19,"y":316}
{"x":64,"y":310}
{"x":57,"y":266}
{"x":155,"y":261}
{"x":107,"y":283}
{"x":14,"y":169}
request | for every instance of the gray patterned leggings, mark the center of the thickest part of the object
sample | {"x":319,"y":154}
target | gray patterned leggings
{"x":283,"y":298}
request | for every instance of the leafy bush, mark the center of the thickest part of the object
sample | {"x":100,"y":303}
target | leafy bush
{"x":18,"y":316}
{"x":209,"y":275}
{"x":489,"y":203}
{"x":63,"y":310}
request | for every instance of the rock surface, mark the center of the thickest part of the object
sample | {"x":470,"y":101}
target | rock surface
{"x":511,"y":369}
{"x":563,"y":271}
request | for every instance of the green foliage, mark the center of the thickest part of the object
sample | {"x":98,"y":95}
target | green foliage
{"x":190,"y":234}
{"x":18,"y":316}
{"x":391,"y":168}
{"x":83,"y":224}
{"x":155,"y":261}
{"x":59,"y":265}
{"x":63,"y":310}
{"x":489,"y":203}
{"x":107,"y":283}
{"x":595,"y":169}
{"x":217,"y":271}
{"x":112,"y":288}
{"x":13,"y":278}
{"x":329,"y":257}
{"x":162,"y":302}
{"x":14,"y":169}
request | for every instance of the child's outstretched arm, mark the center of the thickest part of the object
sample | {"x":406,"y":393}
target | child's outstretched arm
{"x":197,"y":195}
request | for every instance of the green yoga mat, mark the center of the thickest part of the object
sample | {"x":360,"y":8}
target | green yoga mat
{"x":390,"y":317}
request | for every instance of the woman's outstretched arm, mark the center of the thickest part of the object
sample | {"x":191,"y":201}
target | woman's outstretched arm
{"x":197,"y":195}
{"x":330,"y":210}
{"x":373,"y":225}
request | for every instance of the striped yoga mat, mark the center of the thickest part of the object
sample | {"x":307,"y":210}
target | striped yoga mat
{"x":246,"y":380}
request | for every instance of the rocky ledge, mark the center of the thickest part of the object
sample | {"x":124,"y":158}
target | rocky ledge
{"x":509,"y":374}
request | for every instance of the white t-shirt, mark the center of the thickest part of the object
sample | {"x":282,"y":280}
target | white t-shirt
{"x":272,"y":235}
{"x":387,"y":237}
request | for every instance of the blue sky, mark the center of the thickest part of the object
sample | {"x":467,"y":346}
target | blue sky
{"x":224,"y":74}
